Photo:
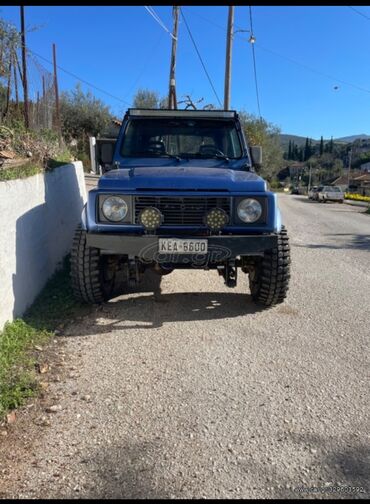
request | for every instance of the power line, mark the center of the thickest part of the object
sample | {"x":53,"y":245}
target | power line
{"x":147,"y":62}
{"x":217,"y":25}
{"x":359,"y":12}
{"x":158,"y":19}
{"x":200,"y":58}
{"x":303,"y":65}
{"x":330,"y":77}
{"x":250,"y":19}
{"x":254,"y":61}
{"x":79,"y":78}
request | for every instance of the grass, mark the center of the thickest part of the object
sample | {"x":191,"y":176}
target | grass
{"x":18,"y":356}
{"x":31,"y":168}
{"x":20,"y":172}
{"x":17,"y":366}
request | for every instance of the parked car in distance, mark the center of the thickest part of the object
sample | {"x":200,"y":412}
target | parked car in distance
{"x":330,"y":193}
{"x":312,"y":192}
{"x":298,"y":190}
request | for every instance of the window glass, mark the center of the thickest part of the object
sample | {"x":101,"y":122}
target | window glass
{"x":187,"y":138}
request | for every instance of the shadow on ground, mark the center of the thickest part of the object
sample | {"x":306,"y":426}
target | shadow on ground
{"x":341,"y":464}
{"x":144,"y":470}
{"x":145,"y":307}
{"x":126,"y":472}
{"x":347,"y":241}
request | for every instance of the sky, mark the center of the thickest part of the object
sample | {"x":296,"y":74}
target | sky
{"x":312,"y":62}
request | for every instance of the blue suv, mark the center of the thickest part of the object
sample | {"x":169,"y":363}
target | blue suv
{"x":180,"y":191}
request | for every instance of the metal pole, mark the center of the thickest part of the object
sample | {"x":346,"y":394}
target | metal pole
{"x":24,"y":61}
{"x":172,"y":101}
{"x":57,"y":116}
{"x":229,"y":49}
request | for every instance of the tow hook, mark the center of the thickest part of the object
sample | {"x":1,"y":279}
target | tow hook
{"x":229,"y":272}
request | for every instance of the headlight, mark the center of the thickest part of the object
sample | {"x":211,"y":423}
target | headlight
{"x":114,"y":208}
{"x":249,"y":210}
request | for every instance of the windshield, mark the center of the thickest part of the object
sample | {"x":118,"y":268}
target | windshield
{"x":332,"y":189}
{"x":184,"y":138}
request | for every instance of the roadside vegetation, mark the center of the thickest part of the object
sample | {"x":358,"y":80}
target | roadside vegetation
{"x":357,"y":197}
{"x":19,"y":172}
{"x":22,"y":341}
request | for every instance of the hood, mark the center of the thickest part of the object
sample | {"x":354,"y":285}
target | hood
{"x":181,"y":178}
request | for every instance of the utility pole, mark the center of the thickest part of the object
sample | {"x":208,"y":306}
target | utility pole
{"x":24,"y":61}
{"x":57,"y":114}
{"x":44,"y":109}
{"x":15,"y":82}
{"x":172,"y":101}
{"x":229,"y":49}
{"x":8,"y":87}
{"x":349,"y":166}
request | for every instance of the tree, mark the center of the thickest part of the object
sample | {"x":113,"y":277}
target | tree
{"x":267,"y":135}
{"x":321,"y":146}
{"x":82,"y":115}
{"x":10,"y":42}
{"x":145,"y":98}
{"x":331,"y":144}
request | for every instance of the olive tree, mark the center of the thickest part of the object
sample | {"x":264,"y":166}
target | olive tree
{"x":260,"y":132}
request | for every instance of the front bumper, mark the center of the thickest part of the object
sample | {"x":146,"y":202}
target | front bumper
{"x":220,"y":248}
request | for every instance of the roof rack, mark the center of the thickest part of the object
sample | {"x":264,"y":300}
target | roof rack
{"x":214,"y":114}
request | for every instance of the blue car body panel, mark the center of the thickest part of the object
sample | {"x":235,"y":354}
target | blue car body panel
{"x":168,"y":176}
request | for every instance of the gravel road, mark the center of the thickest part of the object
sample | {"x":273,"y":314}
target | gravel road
{"x":186,"y":390}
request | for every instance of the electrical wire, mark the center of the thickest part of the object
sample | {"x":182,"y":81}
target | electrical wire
{"x":330,"y":77}
{"x":146,"y":65}
{"x":200,"y":58}
{"x":359,"y":12}
{"x":158,"y":19}
{"x":254,"y":63}
{"x":291,"y":60}
{"x":79,"y":78}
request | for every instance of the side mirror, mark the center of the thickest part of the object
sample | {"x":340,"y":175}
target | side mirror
{"x":256,"y":155}
{"x":106,"y":153}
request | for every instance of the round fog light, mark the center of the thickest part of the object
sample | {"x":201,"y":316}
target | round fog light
{"x":216,"y":219}
{"x":151,"y":218}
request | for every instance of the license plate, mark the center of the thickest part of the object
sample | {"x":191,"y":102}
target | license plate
{"x":177,"y":246}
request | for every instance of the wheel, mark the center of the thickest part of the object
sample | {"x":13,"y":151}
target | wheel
{"x":92,"y":275}
{"x":341,"y":201}
{"x":269,"y":279}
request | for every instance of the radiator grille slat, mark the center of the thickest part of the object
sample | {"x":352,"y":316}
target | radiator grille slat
{"x":181,"y":210}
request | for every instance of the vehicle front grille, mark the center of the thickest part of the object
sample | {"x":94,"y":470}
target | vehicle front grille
{"x":186,"y":211}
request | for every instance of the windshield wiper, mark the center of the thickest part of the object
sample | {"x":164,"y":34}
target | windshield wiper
{"x":222,"y":156}
{"x":178,"y":158}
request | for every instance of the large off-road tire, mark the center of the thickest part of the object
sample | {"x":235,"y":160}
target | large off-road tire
{"x":269,"y":279}
{"x":89,"y":272}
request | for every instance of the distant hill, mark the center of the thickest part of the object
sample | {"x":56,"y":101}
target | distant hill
{"x":300,"y":140}
{"x":352,"y":138}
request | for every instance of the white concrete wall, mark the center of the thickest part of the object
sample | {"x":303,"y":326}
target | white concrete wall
{"x":38,"y":216}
